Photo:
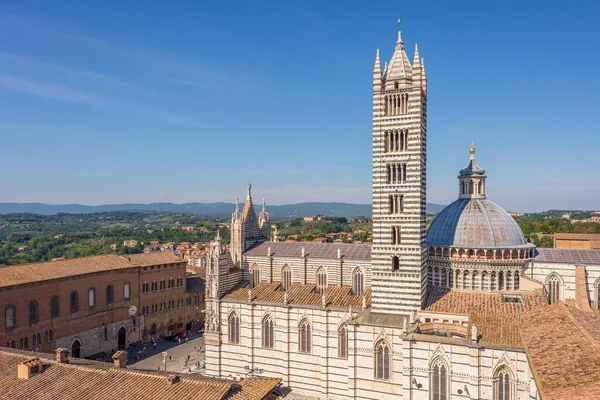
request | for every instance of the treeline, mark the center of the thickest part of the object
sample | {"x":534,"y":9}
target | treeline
{"x":304,"y":230}
{"x":31,"y":238}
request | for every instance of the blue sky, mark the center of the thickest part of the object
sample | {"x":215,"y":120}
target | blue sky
{"x":189,"y":101}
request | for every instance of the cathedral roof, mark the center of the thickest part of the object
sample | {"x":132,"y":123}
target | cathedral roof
{"x":317,"y":250}
{"x":299,"y":294}
{"x":497,"y":321}
{"x":475,"y":223}
{"x":568,"y":256}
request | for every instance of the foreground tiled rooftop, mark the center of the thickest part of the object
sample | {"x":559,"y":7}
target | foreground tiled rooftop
{"x":43,"y":271}
{"x":568,"y":256}
{"x":299,"y":294}
{"x":497,"y":321}
{"x":563,"y":349}
{"x":314,"y":250}
{"x":82,"y":379}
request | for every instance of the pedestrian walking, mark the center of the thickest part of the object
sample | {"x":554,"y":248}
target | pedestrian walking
{"x":169,"y":358}
{"x":179,"y":340}
{"x":144,"y":350}
{"x":188,"y":357}
{"x":154,"y":344}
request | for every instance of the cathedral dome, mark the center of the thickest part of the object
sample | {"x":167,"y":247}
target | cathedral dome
{"x":475,"y":223}
{"x":472,"y":221}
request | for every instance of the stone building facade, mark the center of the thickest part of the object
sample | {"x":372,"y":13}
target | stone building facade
{"x":95,"y":304}
{"x":455,"y":312}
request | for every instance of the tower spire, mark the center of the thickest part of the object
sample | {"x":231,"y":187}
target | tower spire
{"x":416,"y":60}
{"x":377,"y":73}
{"x":237,"y":204}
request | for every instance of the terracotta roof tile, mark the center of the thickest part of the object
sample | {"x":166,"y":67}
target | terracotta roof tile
{"x":85,"y":379}
{"x":497,"y":321}
{"x":42,"y":271}
{"x":254,"y":388}
{"x":563,"y":348}
{"x":336,"y":296}
{"x":148,"y":259}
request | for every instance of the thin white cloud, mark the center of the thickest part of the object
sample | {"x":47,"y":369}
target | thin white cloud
{"x":63,"y":93}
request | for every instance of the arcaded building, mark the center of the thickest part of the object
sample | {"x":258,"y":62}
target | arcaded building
{"x":466,"y":310}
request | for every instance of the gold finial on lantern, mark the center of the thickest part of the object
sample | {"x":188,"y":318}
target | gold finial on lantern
{"x":472,"y":151}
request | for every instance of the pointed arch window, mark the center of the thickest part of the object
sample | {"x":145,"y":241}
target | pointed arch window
{"x":268,"y":332}
{"x":127,"y":291}
{"x":439,"y":380}
{"x":254,"y":276}
{"x":54,"y":307}
{"x":33,"y":312}
{"x":358,"y":281}
{"x":10,"y":316}
{"x":234,"y":328}
{"x":304,"y":338}
{"x":343,"y":341}
{"x":91,"y":297}
{"x":110,"y":294}
{"x":321,"y":279}
{"x":553,"y":287}
{"x":382,"y":360}
{"x":74,"y":301}
{"x":286,"y":278}
{"x":502,"y":385}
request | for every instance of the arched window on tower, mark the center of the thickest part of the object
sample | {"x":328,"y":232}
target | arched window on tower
{"x":395,"y":263}
{"x":304,"y":337}
{"x":358,"y":281}
{"x":502,"y":384}
{"x":286,"y":277}
{"x":343,"y":341}
{"x":553,"y":288}
{"x":268,"y":332}
{"x":234,"y":328}
{"x":382,"y":360}
{"x":321,"y":279}
{"x":439,"y":380}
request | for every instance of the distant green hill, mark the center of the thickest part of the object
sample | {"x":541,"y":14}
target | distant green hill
{"x":209,"y":209}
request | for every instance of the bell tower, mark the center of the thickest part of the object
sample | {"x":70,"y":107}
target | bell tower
{"x":399,"y":253}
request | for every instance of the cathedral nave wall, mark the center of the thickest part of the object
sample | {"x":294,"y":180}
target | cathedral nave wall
{"x":304,"y":270}
{"x":471,"y":370}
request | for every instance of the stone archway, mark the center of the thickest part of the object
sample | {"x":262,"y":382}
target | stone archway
{"x":122,"y":336}
{"x":76,"y":349}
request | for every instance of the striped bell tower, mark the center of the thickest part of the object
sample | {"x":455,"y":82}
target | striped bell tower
{"x":399,"y":255}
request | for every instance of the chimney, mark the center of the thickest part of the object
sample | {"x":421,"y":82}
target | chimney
{"x":62,"y":356}
{"x":29,"y":367}
{"x":120,"y":359}
{"x":172,"y":379}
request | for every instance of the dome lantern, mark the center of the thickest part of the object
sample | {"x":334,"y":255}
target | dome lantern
{"x":471,"y":179}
